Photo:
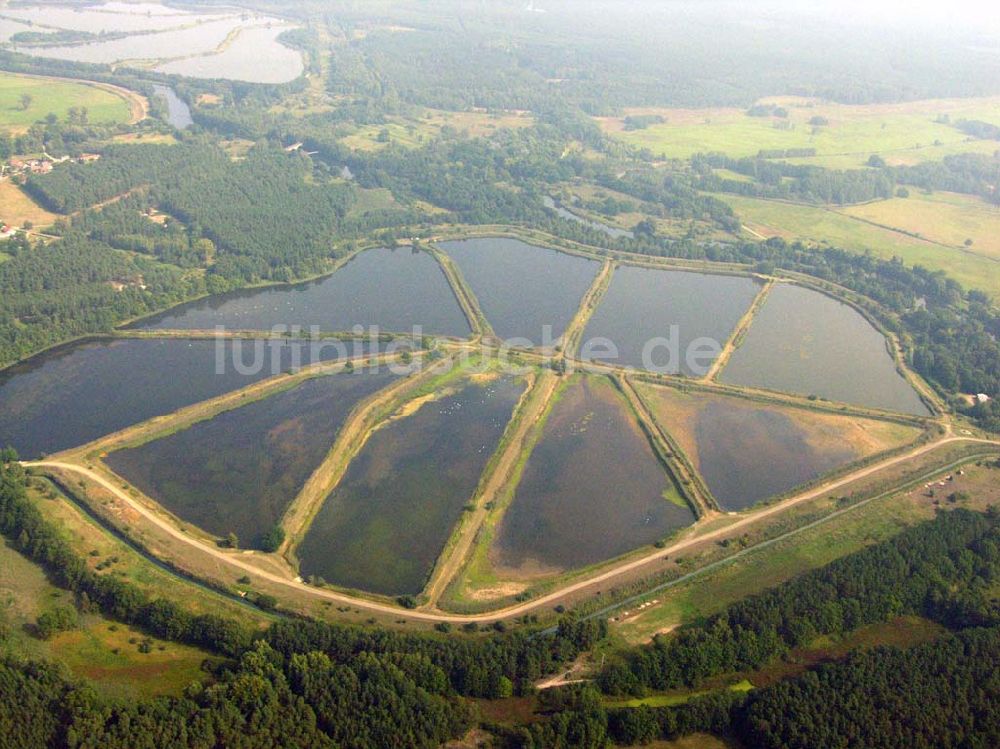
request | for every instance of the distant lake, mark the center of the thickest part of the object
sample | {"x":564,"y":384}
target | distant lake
{"x":392,"y":289}
{"x":75,"y":394}
{"x":642,"y":306}
{"x":520,"y":287}
{"x":805,"y":342}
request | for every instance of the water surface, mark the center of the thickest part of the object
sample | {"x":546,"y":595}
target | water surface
{"x":522,"y":288}
{"x":239,"y":471}
{"x":109,"y":17}
{"x":611,"y":231}
{"x":592,"y":488}
{"x":392,"y":289}
{"x":75,"y":394}
{"x":805,"y":342}
{"x":178,"y":112}
{"x":653,"y":318}
{"x":383,"y":528}
{"x":255,"y":55}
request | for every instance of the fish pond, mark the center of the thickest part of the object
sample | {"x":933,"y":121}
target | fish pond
{"x":178,"y":112}
{"x":383,"y":527}
{"x":394,"y":290}
{"x":239,"y":471}
{"x":243,"y":60}
{"x":75,"y":394}
{"x":522,"y":288}
{"x":802,"y":341}
{"x":591,"y":489}
{"x":654,"y":319}
{"x":748,"y":452}
{"x":612,"y":231}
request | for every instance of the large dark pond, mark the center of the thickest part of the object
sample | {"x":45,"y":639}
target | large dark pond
{"x":383,"y":528}
{"x":239,"y":471}
{"x":522,"y":288}
{"x":392,"y":289}
{"x":805,"y":342}
{"x":592,"y":488}
{"x":73,"y":395}
{"x":653,"y":318}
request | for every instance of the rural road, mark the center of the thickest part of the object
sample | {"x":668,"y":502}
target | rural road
{"x":521,"y":608}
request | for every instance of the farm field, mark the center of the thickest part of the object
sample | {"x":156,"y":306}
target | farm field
{"x":904,"y":133}
{"x":821,"y":226}
{"x":945,"y":217}
{"x":57,"y":97}
{"x":16,"y":207}
{"x":748,"y":452}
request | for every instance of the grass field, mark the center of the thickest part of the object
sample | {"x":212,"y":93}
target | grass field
{"x":902,"y":133}
{"x":945,"y":217}
{"x":415,"y":132}
{"x":16,"y":207}
{"x":57,"y":97}
{"x":99,"y":649}
{"x":711,"y":592}
{"x":820,"y":226}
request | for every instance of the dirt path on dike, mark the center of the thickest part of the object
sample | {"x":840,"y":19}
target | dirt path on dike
{"x":521,"y":608}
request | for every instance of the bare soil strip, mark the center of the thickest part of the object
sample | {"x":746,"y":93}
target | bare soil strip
{"x":739,"y":332}
{"x":596,"y":292}
{"x":464,"y":294}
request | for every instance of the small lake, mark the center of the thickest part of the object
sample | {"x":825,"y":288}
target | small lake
{"x":392,"y":289}
{"x":73,"y":395}
{"x":747,"y":452}
{"x":522,"y":288}
{"x":592,"y":488}
{"x":652,"y":318}
{"x":255,"y":55}
{"x":612,"y":231}
{"x":239,"y":471}
{"x":383,"y":528}
{"x":178,"y":112}
{"x":805,"y":342}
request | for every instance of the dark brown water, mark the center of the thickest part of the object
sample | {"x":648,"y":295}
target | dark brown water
{"x":522,"y":288}
{"x":70,"y":396}
{"x":392,"y":289}
{"x":592,"y":488}
{"x":805,"y":342}
{"x":238,"y":472}
{"x":383,"y":528}
{"x":747,"y":454}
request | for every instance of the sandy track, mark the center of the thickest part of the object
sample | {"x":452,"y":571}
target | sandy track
{"x":518,"y":609}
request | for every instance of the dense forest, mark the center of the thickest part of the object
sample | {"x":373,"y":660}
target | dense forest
{"x":324,"y":685}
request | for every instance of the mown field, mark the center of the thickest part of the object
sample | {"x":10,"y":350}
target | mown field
{"x":945,"y":217}
{"x":16,"y":207}
{"x":902,"y":133}
{"x":56,"y":97}
{"x":814,"y":224}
